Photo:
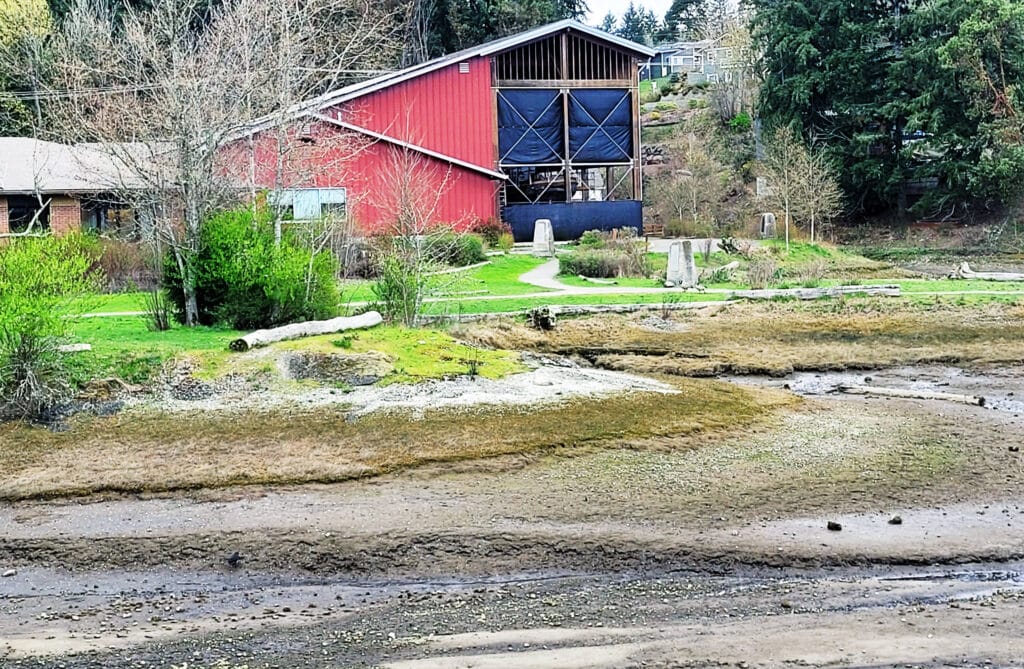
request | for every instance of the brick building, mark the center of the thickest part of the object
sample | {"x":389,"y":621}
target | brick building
{"x":56,"y":187}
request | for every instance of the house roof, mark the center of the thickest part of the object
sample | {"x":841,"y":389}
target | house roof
{"x":488,"y":49}
{"x":383,"y":81}
{"x":314,"y":106}
{"x":29,"y":165}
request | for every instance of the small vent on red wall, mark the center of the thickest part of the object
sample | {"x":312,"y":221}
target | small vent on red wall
{"x":463,"y":68}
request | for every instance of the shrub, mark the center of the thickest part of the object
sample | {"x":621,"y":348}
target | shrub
{"x":741,"y":122}
{"x":592,"y":239}
{"x":455,"y":249}
{"x":398,"y":291}
{"x":127,"y":265}
{"x":490,"y":230}
{"x":246,"y":280}
{"x":624,"y":255}
{"x":39,"y":279}
{"x":649,"y":96}
{"x":597,"y":264}
{"x":666,"y":89}
{"x":506,"y":242}
{"x":762,"y":273}
{"x":812,"y":273}
{"x":655,"y":116}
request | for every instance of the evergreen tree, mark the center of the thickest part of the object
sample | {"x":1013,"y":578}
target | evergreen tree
{"x":571,"y":9}
{"x":638,"y":24}
{"x":902,"y":93}
{"x":610,"y":23}
{"x":683,"y":20}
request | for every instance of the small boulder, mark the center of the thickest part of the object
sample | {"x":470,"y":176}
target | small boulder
{"x":354,"y":369}
{"x":833,"y":526}
{"x":895,"y":520}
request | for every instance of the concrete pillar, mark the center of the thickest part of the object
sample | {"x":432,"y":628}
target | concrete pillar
{"x":543,"y":238}
{"x":768,"y":226}
{"x":682,"y":267}
{"x":65,"y":215}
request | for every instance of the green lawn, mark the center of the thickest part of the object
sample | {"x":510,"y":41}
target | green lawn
{"x":648,"y":86}
{"x":122,"y":346}
{"x":499,"y":277}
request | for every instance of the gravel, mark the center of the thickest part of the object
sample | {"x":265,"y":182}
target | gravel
{"x":551,"y":381}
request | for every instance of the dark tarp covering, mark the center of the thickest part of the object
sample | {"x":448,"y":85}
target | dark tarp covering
{"x":569,"y":220}
{"x":600,"y":125}
{"x":530,"y":126}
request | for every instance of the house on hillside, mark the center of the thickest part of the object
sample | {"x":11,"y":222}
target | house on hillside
{"x":705,"y":61}
{"x":59,"y":187}
{"x":543,"y":124}
{"x":680,"y":58}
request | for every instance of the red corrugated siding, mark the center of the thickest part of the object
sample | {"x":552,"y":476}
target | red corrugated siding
{"x":445,"y":111}
{"x":463,"y":195}
{"x":368,"y":170}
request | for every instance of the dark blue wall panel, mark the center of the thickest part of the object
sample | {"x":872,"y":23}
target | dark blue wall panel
{"x":572,"y":219}
{"x":530,"y":126}
{"x":600,"y":125}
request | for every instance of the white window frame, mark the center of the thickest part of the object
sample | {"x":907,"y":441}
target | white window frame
{"x":308,"y":204}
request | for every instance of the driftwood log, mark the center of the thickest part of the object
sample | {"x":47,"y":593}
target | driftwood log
{"x":307,"y":329}
{"x":911,"y":394}
{"x":711,"y":271}
{"x":74,"y":348}
{"x":965,"y":272}
{"x":602,"y":282}
{"x":818,"y":293}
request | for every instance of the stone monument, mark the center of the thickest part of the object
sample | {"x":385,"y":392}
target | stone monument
{"x":543,"y":238}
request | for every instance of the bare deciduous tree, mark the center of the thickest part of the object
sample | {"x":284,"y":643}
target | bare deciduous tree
{"x":163,"y":90}
{"x":822,"y":197}
{"x":412,"y":188}
{"x":785,"y":167}
{"x":696,"y":187}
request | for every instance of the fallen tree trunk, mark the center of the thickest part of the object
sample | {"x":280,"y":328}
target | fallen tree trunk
{"x":911,"y":394}
{"x":74,"y":348}
{"x":965,"y":272}
{"x":818,"y":293}
{"x":603,"y":282}
{"x":307,"y":329}
{"x":711,"y":271}
{"x":583,"y":310}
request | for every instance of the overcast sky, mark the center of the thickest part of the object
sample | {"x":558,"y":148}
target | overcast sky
{"x":598,"y":8}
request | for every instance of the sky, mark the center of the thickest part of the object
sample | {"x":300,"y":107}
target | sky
{"x":598,"y":8}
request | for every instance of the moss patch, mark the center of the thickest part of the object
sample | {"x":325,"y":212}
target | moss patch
{"x":161,"y":452}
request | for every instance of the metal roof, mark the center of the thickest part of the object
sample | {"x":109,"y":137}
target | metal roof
{"x":383,"y":81}
{"x":488,"y":49}
{"x":29,"y":165}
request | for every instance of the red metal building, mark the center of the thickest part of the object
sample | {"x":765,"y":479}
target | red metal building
{"x":544,"y":124}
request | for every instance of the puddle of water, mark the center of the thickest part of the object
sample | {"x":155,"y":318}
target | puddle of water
{"x":1003,"y":389}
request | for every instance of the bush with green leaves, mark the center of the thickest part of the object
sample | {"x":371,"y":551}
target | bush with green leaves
{"x":454,"y":249}
{"x":593,"y":263}
{"x":399,"y":289}
{"x":245,"y":279}
{"x":40,"y":279}
{"x":491,"y":231}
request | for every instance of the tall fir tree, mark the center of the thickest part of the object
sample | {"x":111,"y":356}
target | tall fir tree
{"x":908,"y":95}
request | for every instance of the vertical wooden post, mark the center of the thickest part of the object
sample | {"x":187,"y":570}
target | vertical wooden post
{"x":634,"y":91}
{"x":567,"y":166}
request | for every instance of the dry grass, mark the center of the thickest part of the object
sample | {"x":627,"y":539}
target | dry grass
{"x":158,"y":452}
{"x":778,"y":338}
